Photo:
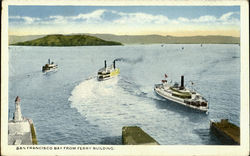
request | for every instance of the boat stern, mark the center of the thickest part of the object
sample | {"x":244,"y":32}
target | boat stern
{"x":115,"y":72}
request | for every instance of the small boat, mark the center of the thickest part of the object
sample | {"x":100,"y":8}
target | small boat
{"x":181,"y":95}
{"x":49,"y":66}
{"x":106,"y":73}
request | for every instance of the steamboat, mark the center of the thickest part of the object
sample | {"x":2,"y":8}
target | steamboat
{"x":106,"y":73}
{"x":181,"y":95}
{"x":49,"y":66}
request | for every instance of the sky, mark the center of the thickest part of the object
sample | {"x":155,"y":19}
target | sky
{"x":125,"y":20}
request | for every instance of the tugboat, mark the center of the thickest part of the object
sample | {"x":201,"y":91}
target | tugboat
{"x":106,"y":73}
{"x":181,"y":95}
{"x":49,"y":66}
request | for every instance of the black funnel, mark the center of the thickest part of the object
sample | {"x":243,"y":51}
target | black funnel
{"x":182,"y":82}
{"x":114,"y":63}
{"x":105,"y":64}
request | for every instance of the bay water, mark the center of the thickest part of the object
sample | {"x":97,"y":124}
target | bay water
{"x":69,"y":106}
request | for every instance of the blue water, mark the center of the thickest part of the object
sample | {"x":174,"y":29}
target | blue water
{"x":69,"y":108}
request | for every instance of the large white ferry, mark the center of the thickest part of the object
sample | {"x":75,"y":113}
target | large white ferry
{"x":106,"y":73}
{"x":49,"y":66}
{"x":181,"y":95}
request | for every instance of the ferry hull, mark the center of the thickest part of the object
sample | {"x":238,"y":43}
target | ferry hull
{"x":178,"y":100}
{"x":104,"y":78}
{"x":50,"y":70}
{"x":109,"y":76}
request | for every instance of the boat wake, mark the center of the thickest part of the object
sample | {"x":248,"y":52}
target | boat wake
{"x":112,"y":104}
{"x":91,"y":90}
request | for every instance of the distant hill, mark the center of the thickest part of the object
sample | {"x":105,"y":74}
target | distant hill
{"x":67,"y":40}
{"x":15,"y":39}
{"x":149,"y":39}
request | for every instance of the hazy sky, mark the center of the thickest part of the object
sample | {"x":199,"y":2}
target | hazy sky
{"x":125,"y":20}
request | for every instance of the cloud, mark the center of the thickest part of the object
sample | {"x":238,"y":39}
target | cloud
{"x":225,"y":19}
{"x":93,"y":16}
{"x":227,"y":16}
{"x":24,"y":19}
{"x":182,"y":19}
{"x":55,"y":20}
{"x":141,"y":18}
{"x":205,"y":19}
{"x":111,"y":21}
{"x":120,"y":18}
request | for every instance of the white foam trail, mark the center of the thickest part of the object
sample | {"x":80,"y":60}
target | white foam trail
{"x":110,"y":107}
{"x":106,"y":104}
{"x":91,"y":89}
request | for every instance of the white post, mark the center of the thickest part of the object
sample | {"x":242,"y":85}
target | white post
{"x":18,"y":114}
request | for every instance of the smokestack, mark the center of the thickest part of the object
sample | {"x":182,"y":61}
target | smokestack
{"x":114,"y":63}
{"x":182,"y":82}
{"x":49,"y":61}
{"x":105,"y":64}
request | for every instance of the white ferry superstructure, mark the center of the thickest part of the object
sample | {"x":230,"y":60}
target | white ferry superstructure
{"x":181,"y":95}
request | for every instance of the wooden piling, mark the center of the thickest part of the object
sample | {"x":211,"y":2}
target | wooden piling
{"x":133,"y":135}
